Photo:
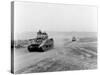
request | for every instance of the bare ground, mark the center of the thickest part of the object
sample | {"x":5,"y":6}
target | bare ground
{"x":65,"y":56}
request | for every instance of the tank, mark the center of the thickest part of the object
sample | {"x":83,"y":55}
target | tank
{"x":41,"y":43}
{"x":73,"y":38}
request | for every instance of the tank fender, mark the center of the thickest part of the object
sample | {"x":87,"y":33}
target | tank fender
{"x":42,"y":43}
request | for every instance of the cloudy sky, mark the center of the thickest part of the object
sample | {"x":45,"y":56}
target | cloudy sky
{"x":54,"y":17}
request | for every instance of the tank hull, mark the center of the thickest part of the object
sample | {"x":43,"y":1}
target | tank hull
{"x":44,"y":46}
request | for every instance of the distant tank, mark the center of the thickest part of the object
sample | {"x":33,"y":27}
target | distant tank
{"x":73,"y":38}
{"x":41,"y":43}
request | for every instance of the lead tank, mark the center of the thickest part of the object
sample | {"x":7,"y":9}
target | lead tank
{"x":41,"y":43}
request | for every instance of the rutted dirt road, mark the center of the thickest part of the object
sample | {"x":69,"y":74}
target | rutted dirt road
{"x":61,"y":58}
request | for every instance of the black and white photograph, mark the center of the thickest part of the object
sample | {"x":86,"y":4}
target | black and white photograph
{"x":50,"y":37}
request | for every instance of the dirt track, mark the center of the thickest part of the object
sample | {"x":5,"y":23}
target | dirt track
{"x":58,"y":59}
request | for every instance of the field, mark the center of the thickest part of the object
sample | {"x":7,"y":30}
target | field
{"x":66,"y":55}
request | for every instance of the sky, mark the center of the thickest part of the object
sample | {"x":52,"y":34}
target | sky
{"x":29,"y":17}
